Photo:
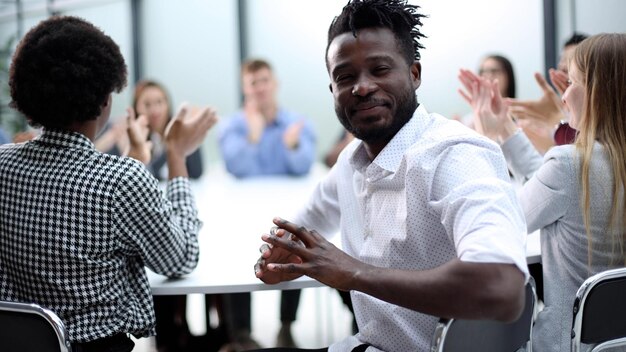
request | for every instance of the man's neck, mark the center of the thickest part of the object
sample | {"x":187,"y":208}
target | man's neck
{"x":373,"y":149}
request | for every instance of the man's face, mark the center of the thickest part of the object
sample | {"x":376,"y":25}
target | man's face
{"x":259,"y":87}
{"x":372,"y":84}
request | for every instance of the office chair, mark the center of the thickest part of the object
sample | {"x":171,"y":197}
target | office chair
{"x":453,"y":335}
{"x":31,"y":328}
{"x":600,"y":311}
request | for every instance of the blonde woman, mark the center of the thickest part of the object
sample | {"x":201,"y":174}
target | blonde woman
{"x":576,"y":197}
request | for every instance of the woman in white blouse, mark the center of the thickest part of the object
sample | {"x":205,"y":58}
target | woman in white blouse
{"x":576,"y":196}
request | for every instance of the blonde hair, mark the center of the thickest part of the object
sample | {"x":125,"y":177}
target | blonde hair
{"x":601,"y":60}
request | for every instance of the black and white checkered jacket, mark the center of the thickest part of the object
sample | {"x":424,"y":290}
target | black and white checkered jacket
{"x":77,"y":228}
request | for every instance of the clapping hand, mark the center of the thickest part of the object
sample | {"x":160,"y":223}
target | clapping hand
{"x":186,"y":131}
{"x":559,"y":80}
{"x":540,"y":134}
{"x":291,"y":137}
{"x":137,"y":130}
{"x":548,"y":108}
{"x":490,"y":109}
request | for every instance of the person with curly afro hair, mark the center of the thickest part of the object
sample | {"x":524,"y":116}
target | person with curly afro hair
{"x":79,"y":226}
{"x":63,"y":73}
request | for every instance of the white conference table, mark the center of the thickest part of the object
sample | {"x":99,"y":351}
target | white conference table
{"x":235,"y":213}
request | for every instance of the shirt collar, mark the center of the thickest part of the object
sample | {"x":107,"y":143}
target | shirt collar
{"x":389,"y":159}
{"x":64,"y":139}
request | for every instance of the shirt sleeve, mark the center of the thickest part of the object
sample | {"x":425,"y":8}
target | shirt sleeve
{"x":194,"y":163}
{"x":544,"y":197}
{"x":162,"y":231}
{"x":521,"y":156}
{"x":240,"y":156}
{"x":478,"y":206}
{"x":4,"y":138}
{"x":300,"y":159}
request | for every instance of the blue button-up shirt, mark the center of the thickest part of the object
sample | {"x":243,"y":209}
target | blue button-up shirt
{"x":4,"y":138}
{"x":269,"y":156}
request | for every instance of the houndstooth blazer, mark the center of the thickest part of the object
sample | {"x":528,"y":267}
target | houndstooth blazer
{"x":77,"y":228}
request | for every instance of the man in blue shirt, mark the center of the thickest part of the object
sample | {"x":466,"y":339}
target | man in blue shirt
{"x":264,"y":139}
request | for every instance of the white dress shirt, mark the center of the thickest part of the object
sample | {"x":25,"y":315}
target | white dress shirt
{"x":436,"y":192}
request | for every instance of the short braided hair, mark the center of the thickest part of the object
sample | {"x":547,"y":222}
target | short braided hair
{"x":398,"y":16}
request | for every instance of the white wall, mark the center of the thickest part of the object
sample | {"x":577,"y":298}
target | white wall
{"x":460,"y":33}
{"x":292,"y":35}
{"x":192,"y":48}
{"x":589,"y":17}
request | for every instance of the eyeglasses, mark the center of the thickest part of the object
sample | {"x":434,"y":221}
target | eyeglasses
{"x":489,"y":71}
{"x":564,"y":134}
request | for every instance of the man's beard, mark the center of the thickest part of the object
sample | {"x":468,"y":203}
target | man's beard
{"x":405,"y":108}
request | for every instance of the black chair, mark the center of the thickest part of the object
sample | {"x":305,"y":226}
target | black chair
{"x":31,"y":328}
{"x":454,"y":335}
{"x":600,"y":311}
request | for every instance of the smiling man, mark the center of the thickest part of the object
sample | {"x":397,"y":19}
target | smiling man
{"x":430,"y":224}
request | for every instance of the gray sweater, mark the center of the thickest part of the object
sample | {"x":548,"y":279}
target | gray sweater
{"x":551,"y":202}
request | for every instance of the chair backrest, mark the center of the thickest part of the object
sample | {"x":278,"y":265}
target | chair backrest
{"x":29,"y":327}
{"x":600,"y":311}
{"x":453,"y":335}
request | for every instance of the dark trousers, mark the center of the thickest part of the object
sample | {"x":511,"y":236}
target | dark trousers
{"x":239,"y":309}
{"x":172,"y":332}
{"x":238,"y":312}
{"x":289,"y":301}
{"x":116,"y":343}
{"x":347,"y":300}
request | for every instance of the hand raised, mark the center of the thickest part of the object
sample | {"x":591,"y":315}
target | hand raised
{"x":540,"y":133}
{"x":490,"y":110}
{"x":186,"y":131}
{"x":291,"y":137}
{"x":548,"y":108}
{"x":559,"y":80}
{"x":137,"y":130}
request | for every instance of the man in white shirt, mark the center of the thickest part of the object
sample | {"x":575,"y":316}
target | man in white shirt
{"x":430,"y":224}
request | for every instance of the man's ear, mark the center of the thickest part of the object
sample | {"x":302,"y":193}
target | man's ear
{"x":330,"y":87}
{"x":416,"y":74}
